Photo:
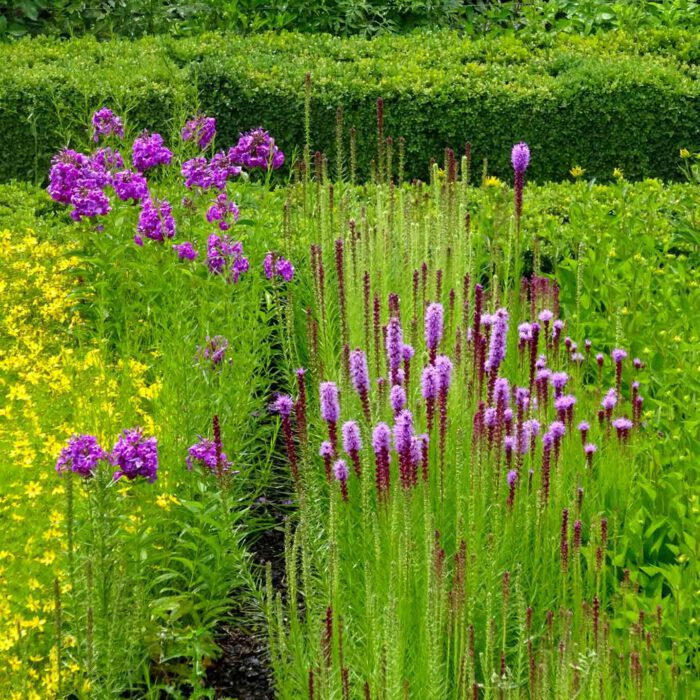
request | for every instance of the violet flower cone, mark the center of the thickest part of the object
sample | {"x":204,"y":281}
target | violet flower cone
{"x":330,"y":410}
{"x":359,"y":378}
{"x":394,"y":348}
{"x":381,"y":444}
{"x":434,"y":321}
{"x":352,"y":444}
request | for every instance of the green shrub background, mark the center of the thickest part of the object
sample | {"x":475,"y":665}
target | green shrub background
{"x":601,"y":102}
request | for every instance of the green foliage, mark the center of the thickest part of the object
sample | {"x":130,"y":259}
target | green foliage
{"x":637,"y":94}
{"x":135,"y":18}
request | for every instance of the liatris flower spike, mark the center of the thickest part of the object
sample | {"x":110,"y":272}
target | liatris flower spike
{"x":82,"y":455}
{"x":205,"y":454}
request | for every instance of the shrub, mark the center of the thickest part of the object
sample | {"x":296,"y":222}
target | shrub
{"x":602,"y":102}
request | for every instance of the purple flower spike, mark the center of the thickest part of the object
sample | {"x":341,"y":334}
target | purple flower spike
{"x":381,"y":444}
{"x":330,"y":407}
{"x":618,"y":355}
{"x":340,"y":470}
{"x":397,"y":398}
{"x":82,"y":455}
{"x":352,"y":444}
{"x":394,"y":348}
{"x":497,"y":346}
{"x":443,"y":365}
{"x":283,"y":405}
{"x":433,"y":328}
{"x":134,"y":456}
{"x":623,"y":427}
{"x":520,"y":157}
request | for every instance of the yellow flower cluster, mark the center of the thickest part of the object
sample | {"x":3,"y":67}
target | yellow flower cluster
{"x":47,"y":383}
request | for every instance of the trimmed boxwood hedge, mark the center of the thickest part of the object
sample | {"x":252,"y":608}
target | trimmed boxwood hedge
{"x":603,"y":102}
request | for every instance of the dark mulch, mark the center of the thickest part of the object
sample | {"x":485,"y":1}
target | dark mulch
{"x":243,"y":672}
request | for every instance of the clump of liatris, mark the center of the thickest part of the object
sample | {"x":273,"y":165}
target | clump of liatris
{"x":82,"y":456}
{"x":135,"y":455}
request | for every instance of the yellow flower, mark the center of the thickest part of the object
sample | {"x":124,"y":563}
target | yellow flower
{"x":492,"y":181}
{"x":685,"y":153}
{"x":618,"y":174}
{"x":577,"y":171}
{"x":33,"y":490}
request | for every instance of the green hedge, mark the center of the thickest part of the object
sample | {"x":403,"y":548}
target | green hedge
{"x":602,"y":102}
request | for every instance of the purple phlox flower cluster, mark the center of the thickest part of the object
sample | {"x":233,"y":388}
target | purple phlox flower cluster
{"x":213,"y":352}
{"x":330,"y":406}
{"x":433,"y":326}
{"x":81,"y":456}
{"x":204,"y":453}
{"x":520,"y":157}
{"x":106,"y":123}
{"x":257,"y":149}
{"x":283,"y":405}
{"x":130,"y":185}
{"x":224,"y":211}
{"x":149,"y":150}
{"x":200,"y":129}
{"x":223,"y":254}
{"x":282,"y":267}
{"x":78,"y":180}
{"x":106,"y":161}
{"x":135,"y":455}
{"x":497,"y":346}
{"x":156,"y":219}
{"x":185,"y":251}
{"x":66,"y":168}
